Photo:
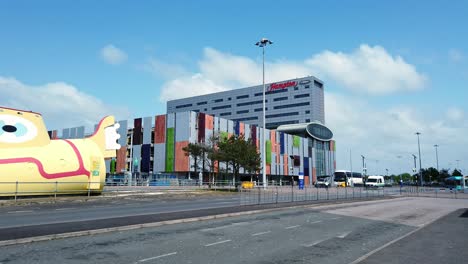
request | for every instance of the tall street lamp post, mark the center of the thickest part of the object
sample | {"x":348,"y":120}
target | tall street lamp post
{"x":414,"y":168}
{"x":437,"y":156}
{"x":263,"y":43}
{"x":419,"y":150}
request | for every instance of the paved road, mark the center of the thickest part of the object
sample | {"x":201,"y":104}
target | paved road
{"x":327,"y":234}
{"x":72,"y":212}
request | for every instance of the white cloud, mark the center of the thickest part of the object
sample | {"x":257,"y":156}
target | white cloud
{"x":455,"y":55}
{"x":62,"y":105}
{"x":368,"y":69}
{"x":454,"y":114}
{"x":189,"y":86}
{"x":113,"y":55}
{"x":381,"y":135}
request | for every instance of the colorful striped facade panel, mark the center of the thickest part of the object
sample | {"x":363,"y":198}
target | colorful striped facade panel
{"x":181,"y":160}
{"x":209,"y":123}
{"x":182,"y":126}
{"x":170,"y":148}
{"x":123,"y":133}
{"x":193,"y":127}
{"x":242,"y":129}
{"x":201,"y":127}
{"x":147,"y":126}
{"x":159,"y":158}
{"x":160,"y":129}
{"x":137,"y":132}
{"x":285,"y":164}
{"x":145,"y":157}
{"x":121,"y":159}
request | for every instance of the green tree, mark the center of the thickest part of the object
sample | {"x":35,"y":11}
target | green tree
{"x":431,"y":175}
{"x":239,"y":153}
{"x":456,"y":172}
{"x":196,"y":151}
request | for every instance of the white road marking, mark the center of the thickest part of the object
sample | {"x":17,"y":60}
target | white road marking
{"x":216,"y":243}
{"x":316,"y":222}
{"x":64,"y":209}
{"x":290,"y":227}
{"x":315,"y":243}
{"x":334,"y":218}
{"x":226,"y":226}
{"x":343,"y":235}
{"x":261,"y":233}
{"x":160,"y":256}
{"x":18,"y":212}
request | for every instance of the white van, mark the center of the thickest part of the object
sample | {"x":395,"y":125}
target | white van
{"x":375,"y":181}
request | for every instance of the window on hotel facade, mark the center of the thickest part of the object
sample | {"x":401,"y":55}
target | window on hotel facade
{"x":246,"y":118}
{"x":301,"y":95}
{"x":221,"y":107}
{"x":218,"y":100}
{"x":242,"y":112}
{"x":307,"y":120}
{"x":242,"y":96}
{"x":282,"y":114}
{"x":280,"y":98}
{"x":225,"y":114}
{"x":307,"y":112}
{"x":307,"y":87}
{"x":202,"y":103}
{"x":183,"y":106}
{"x":296,"y":88}
{"x":291,"y":105}
{"x":252,"y":103}
{"x":260,"y":109}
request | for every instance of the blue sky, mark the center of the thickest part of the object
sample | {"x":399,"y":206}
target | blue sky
{"x":411,"y":59}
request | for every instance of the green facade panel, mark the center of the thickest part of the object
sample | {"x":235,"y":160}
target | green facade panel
{"x":268,"y":152}
{"x":170,"y":147}
{"x":296,"y":141}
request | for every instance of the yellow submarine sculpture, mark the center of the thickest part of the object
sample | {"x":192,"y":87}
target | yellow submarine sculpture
{"x":33,"y":164}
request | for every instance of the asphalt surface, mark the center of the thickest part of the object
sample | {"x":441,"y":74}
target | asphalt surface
{"x":40,"y":221}
{"x":338,"y":233}
{"x":444,"y":241}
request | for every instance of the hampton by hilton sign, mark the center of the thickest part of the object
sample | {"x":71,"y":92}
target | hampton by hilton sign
{"x":279,"y":86}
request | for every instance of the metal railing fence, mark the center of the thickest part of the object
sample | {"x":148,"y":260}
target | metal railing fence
{"x":285,"y":194}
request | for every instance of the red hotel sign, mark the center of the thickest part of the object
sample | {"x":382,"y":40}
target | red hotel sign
{"x":279,"y":86}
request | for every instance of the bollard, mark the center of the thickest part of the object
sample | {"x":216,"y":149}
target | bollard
{"x":16,"y":191}
{"x":317,"y":192}
{"x":276,"y":194}
{"x":55,"y":192}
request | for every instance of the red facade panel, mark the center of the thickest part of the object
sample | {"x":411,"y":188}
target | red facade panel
{"x":121,"y":159}
{"x":181,"y":160}
{"x":160,"y":129}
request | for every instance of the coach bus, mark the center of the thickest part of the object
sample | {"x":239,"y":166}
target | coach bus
{"x":454,"y":183}
{"x":344,"y":178}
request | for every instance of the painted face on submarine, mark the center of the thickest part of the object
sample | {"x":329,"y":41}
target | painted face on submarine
{"x":28,"y":154}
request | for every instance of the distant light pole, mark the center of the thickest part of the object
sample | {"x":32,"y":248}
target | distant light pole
{"x":364,"y":169}
{"x":399,"y":168}
{"x":420,"y":168}
{"x":263,"y":43}
{"x":437,"y":156}
{"x":414,"y":168}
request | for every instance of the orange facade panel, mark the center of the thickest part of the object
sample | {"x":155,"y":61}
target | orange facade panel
{"x":160,"y":129}
{"x":314,"y":174}
{"x":121,"y":159}
{"x":286,"y":166}
{"x":306,"y":180}
{"x":209,"y":122}
{"x":273,"y":141}
{"x":268,"y":169}
{"x":181,"y":160}
{"x":241,"y":128}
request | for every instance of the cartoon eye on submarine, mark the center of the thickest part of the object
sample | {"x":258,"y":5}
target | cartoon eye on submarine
{"x":33,"y":164}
